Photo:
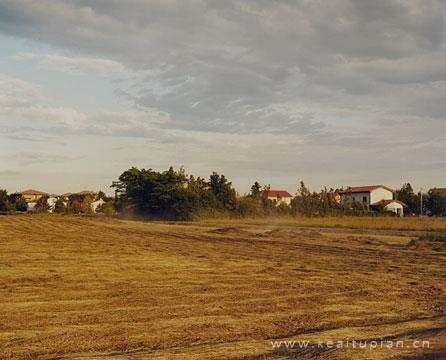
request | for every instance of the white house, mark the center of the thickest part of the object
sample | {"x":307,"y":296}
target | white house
{"x":32,"y":196}
{"x":279,"y":196}
{"x":374,"y":197}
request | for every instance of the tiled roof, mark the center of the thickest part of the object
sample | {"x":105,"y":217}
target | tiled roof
{"x":359,"y":189}
{"x":278,"y":193}
{"x":440,"y":190}
{"x":387,"y":202}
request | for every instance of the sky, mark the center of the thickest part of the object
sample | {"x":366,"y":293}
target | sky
{"x":335,"y":93}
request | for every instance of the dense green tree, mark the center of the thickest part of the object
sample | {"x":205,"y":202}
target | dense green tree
{"x":223,"y":191}
{"x":158,"y":194}
{"x":60,"y":206}
{"x":256,"y":190}
{"x":4,"y":200}
{"x":80,"y":203}
{"x":436,"y":203}
{"x":305,"y":202}
{"x":42,"y":204}
{"x":407,"y":196}
{"x":18,"y":202}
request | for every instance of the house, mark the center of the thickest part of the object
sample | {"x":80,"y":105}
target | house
{"x":278,"y":196}
{"x":32,"y":196}
{"x":441,"y":191}
{"x":94,"y":197}
{"x":374,"y":197}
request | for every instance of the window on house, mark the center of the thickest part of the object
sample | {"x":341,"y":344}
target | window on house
{"x":364,"y":199}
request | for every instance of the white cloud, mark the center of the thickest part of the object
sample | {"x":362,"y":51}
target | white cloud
{"x":26,"y":101}
{"x":79,"y":64}
{"x":349,"y":86}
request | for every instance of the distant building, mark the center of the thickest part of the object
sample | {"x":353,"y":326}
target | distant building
{"x":95,"y":205}
{"x":279,"y":196}
{"x":32,"y":196}
{"x":374,"y":197}
{"x":52,"y":199}
{"x":439,"y":190}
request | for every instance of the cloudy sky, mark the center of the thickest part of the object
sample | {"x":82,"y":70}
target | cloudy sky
{"x":339,"y":92}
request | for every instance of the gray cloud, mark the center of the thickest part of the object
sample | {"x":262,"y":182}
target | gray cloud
{"x":328,"y":76}
{"x":228,"y":67}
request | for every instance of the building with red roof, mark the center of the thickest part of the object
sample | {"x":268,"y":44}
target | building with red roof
{"x":374,"y":197}
{"x":278,"y":196}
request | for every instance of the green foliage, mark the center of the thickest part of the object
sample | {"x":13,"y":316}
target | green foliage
{"x":79,"y":204}
{"x":4,"y":201}
{"x":407,"y":196}
{"x":158,"y":194}
{"x":256,"y":190}
{"x":250,"y":206}
{"x":12,"y":203}
{"x":223,"y":191}
{"x":436,"y":203}
{"x":60,"y":207}
{"x":256,"y":204}
{"x":309,"y":203}
{"x":42,"y":204}
{"x":174,"y":195}
{"x":18,"y":202}
{"x":108,"y":208}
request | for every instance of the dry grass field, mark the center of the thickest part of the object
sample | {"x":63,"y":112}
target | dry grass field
{"x":87,"y":288}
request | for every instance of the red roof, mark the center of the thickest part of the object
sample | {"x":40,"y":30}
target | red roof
{"x":439,"y":190}
{"x":277,"y":193}
{"x":359,"y":189}
{"x":387,"y":202}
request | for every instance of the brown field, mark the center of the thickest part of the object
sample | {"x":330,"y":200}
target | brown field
{"x":83,"y":288}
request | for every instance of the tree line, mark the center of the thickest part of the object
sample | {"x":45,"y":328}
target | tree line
{"x":175,"y":195}
{"x":72,"y":204}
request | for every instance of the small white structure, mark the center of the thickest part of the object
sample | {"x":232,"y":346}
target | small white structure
{"x":279,"y":196}
{"x":394,"y":206}
{"x":374,"y":197}
{"x":95,"y":205}
{"x":31,"y":206}
{"x":51,"y":201}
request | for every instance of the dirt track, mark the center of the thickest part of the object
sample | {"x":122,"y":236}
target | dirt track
{"x":87,"y":288}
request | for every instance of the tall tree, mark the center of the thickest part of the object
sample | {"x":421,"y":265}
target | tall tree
{"x":436,"y":203}
{"x":407,"y":196}
{"x":18,"y":202}
{"x":223,"y":191}
{"x":4,"y":200}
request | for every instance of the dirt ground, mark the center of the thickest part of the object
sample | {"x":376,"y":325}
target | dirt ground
{"x":87,"y":288}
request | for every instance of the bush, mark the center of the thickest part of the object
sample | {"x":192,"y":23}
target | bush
{"x":248,"y":206}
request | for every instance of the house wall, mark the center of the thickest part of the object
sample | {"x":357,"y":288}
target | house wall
{"x":51,"y":203}
{"x":380,"y":194}
{"x":31,"y":206}
{"x":282,"y":200}
{"x":31,"y":198}
{"x":358,"y":197}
